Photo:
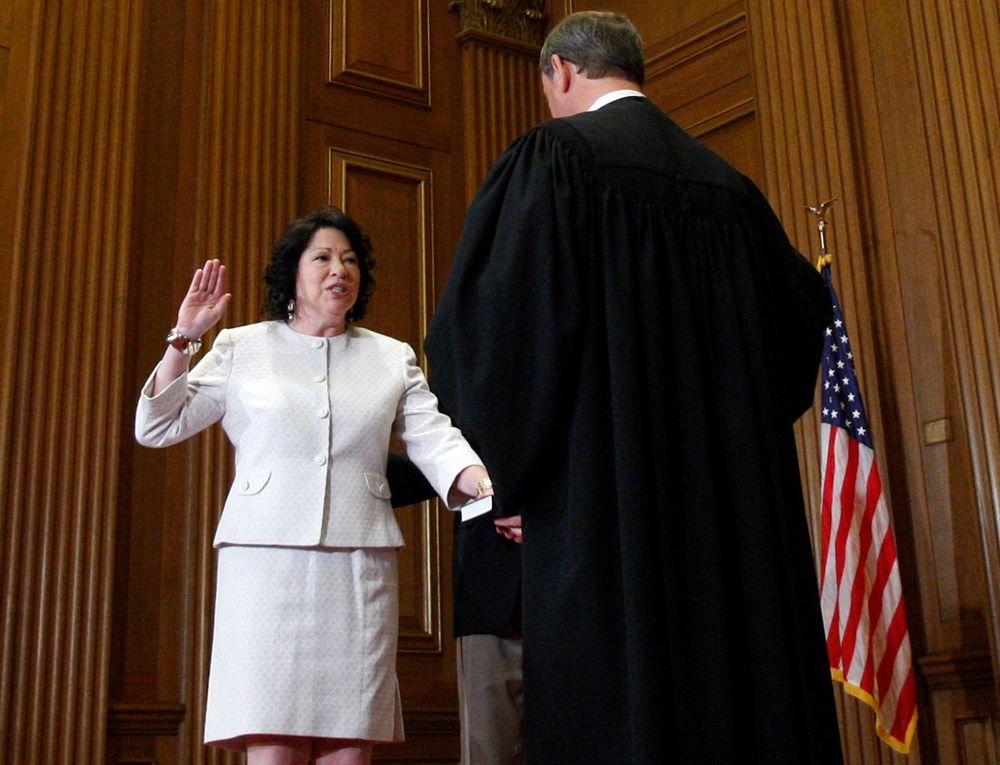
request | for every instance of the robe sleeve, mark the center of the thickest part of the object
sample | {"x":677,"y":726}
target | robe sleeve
{"x":504,"y":342}
{"x":801,"y":311}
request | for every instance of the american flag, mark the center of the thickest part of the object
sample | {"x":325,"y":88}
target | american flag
{"x":867,"y":638}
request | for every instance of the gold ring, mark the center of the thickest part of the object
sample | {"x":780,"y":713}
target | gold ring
{"x":483,"y":486}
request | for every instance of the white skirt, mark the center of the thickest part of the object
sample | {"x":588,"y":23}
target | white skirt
{"x":304,"y":645}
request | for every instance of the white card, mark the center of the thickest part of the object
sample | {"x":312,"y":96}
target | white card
{"x":476,"y":508}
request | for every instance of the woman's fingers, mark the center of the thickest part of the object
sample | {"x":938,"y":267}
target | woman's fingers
{"x":215,"y":273}
{"x":205,"y":301}
{"x":210,"y":279}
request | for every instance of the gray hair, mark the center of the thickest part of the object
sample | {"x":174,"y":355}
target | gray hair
{"x":599,"y":43}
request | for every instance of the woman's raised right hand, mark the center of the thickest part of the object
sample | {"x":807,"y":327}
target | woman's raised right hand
{"x":205,"y":300}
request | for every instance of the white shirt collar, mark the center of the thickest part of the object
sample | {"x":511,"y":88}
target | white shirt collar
{"x":614,"y":95}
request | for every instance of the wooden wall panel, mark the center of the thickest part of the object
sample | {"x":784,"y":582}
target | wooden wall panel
{"x":381,"y":77}
{"x":18,"y":41}
{"x":392,"y":201}
{"x":68,"y":268}
{"x":6,"y":30}
{"x":4,"y":66}
{"x":958,"y":61}
{"x":839,"y":88}
{"x":383,"y":139}
{"x":805,"y":111}
{"x":387,"y":54}
{"x":141,"y":138}
{"x":702,"y":77}
{"x":655,"y":21}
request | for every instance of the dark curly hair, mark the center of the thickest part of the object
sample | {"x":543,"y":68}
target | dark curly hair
{"x":284,"y":264}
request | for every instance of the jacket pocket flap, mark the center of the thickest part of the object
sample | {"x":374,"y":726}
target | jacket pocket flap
{"x":378,"y":485}
{"x":252,"y":483}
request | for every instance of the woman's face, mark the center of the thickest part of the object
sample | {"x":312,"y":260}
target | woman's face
{"x":327,"y":281}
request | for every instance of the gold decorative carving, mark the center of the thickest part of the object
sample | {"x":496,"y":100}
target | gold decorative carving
{"x":520,"y":20}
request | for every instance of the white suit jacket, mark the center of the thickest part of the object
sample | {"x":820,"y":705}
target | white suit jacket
{"x":310,"y":419}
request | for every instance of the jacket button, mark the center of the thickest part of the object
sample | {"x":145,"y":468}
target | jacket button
{"x":246,"y":484}
{"x":383,"y":489}
{"x":319,"y":378}
{"x":321,"y":413}
{"x":317,"y":343}
{"x":320,"y":459}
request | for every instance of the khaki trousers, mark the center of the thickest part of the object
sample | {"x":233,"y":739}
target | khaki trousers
{"x":490,"y":700}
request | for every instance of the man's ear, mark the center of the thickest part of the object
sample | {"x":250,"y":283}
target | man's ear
{"x":562,"y":72}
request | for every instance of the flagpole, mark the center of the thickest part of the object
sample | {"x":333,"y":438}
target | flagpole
{"x":820,"y":212}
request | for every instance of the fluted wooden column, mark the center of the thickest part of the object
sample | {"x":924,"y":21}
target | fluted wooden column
{"x":892,"y":108}
{"x":248,"y":168}
{"x":958,"y":59}
{"x":63,"y":349}
{"x":804,"y":113}
{"x":500,"y":78}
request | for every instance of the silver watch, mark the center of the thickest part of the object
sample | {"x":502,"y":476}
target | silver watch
{"x":186,"y":345}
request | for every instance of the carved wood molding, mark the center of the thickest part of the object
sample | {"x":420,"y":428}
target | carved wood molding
{"x":500,"y":41}
{"x":521,"y":20}
{"x":733,"y":113}
{"x":155,"y":719}
{"x":956,"y":671}
{"x":662,"y":58}
{"x":432,"y":722}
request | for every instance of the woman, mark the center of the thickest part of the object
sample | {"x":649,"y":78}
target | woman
{"x":303,"y":656}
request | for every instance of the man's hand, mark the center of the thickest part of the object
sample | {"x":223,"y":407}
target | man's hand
{"x":510,"y":528}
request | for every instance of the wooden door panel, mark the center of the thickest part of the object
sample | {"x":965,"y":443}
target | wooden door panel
{"x":385,"y":51}
{"x":367,"y":66}
{"x":379,"y":115}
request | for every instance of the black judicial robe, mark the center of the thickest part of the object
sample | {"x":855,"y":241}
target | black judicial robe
{"x":626,"y":337}
{"x":486,"y":567}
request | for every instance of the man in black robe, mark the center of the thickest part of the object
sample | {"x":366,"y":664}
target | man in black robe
{"x":627,"y":337}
